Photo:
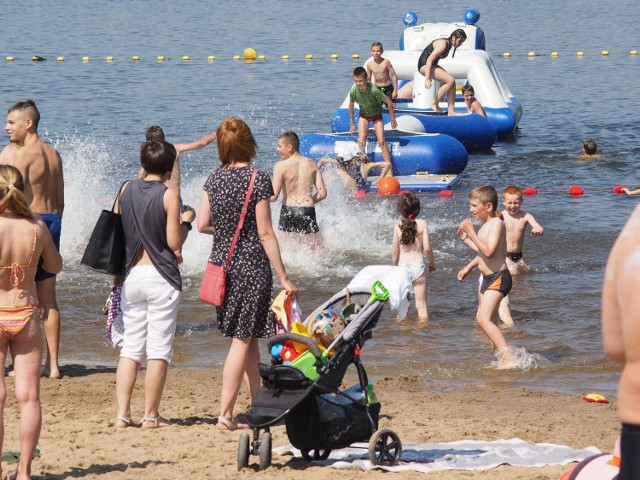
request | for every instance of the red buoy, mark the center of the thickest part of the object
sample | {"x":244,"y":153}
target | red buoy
{"x":530,"y":191}
{"x":618,"y":189}
{"x":446,"y":193}
{"x":360,"y":194}
{"x":576,"y":190}
{"x":388,"y":186}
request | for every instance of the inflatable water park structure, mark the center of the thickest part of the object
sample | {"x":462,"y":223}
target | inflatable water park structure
{"x":430,"y":149}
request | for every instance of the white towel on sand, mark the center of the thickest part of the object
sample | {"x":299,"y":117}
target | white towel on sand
{"x":460,"y":455}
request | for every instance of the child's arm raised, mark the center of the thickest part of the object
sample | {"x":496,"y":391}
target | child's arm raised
{"x":536,"y":228}
{"x":464,"y":236}
{"x":487,"y":248}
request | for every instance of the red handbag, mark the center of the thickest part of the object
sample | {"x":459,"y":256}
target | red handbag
{"x":214,"y":281}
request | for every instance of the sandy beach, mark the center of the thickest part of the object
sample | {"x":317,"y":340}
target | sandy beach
{"x":79,"y":439}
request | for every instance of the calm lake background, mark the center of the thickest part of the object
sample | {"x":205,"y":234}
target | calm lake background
{"x":95,"y":114}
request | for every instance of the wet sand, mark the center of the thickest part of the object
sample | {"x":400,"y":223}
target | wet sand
{"x":79,"y":439}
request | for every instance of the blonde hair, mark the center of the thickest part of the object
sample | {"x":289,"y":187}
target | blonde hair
{"x":486,"y":194}
{"x":12,"y":196}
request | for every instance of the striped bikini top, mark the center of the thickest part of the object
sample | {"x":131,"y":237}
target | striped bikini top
{"x":17,"y":270}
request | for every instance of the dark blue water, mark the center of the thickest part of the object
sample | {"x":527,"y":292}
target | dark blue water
{"x":95,"y":113}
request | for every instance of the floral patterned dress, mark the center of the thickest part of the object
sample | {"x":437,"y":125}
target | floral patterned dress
{"x":246,"y":311}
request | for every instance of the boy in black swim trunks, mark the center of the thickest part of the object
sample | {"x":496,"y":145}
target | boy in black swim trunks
{"x":297,"y":177}
{"x":381,"y":71}
{"x":491,"y":245}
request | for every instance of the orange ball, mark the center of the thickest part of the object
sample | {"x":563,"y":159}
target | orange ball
{"x":388,"y":186}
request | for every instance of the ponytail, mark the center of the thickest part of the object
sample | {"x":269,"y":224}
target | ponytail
{"x":12,"y":196}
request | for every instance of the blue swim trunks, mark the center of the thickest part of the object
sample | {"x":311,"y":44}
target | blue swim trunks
{"x":53,"y":221}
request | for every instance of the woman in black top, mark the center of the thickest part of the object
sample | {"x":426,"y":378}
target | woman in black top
{"x":428,"y":66}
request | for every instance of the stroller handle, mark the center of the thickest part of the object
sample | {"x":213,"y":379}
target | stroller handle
{"x":295,"y":337}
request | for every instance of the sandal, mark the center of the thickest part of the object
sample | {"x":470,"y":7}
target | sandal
{"x":158,"y":422}
{"x":229,"y":424}
{"x":126,"y":420}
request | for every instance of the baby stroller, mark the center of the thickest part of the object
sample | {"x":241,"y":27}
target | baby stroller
{"x":306,"y":395}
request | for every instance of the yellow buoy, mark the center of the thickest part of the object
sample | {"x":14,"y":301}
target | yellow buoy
{"x":10,"y":59}
{"x":531,"y":54}
{"x":554,"y":54}
{"x":309,"y":57}
{"x":285,"y":57}
{"x":185,"y":57}
{"x":605,"y":52}
{"x":236,"y":57}
{"x":633,"y":52}
{"x":160,"y":58}
{"x":580,"y":54}
{"x":506,"y":54}
{"x":60,"y":59}
{"x":211,"y":58}
{"x":109,"y":59}
{"x":249,"y":54}
{"x":355,"y":56}
{"x":85,"y":59}
{"x":135,"y":58}
{"x":334,"y":56}
{"x":261,"y":57}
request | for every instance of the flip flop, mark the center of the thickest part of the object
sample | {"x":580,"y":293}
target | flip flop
{"x":158,"y":422}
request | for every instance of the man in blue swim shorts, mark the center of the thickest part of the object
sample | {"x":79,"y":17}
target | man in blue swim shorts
{"x":41,"y":168}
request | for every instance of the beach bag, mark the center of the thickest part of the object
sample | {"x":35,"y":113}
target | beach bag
{"x":106,"y":250}
{"x":115,"y":324}
{"x":213,"y":286}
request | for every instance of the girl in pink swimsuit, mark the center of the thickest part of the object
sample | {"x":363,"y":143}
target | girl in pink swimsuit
{"x":23,"y":240}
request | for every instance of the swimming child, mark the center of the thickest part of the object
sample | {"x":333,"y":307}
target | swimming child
{"x":354,"y":170}
{"x":590,"y":148}
{"x":382,"y":71}
{"x":410,"y":246}
{"x":428,"y":66}
{"x":490,"y":242}
{"x":370,"y":100}
{"x":470,"y":101}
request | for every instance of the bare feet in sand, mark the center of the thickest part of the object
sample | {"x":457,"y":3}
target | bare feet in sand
{"x":46,"y":372}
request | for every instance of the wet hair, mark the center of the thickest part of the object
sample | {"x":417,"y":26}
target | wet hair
{"x":359,"y":72}
{"x":235,"y":141}
{"x":409,"y":208}
{"x":12,"y":197}
{"x":485,"y":194}
{"x":590,"y":147}
{"x":157,"y":157}
{"x":377,"y":44}
{"x":28,"y":107}
{"x":512,"y":190}
{"x":154,"y":132}
{"x":292,"y":139}
{"x":458,"y":33}
{"x":468,"y":88}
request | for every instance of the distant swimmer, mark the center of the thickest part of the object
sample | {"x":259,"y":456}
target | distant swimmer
{"x":381,"y":71}
{"x":41,"y":167}
{"x":428,"y":66}
{"x":590,"y":149}
{"x":302,"y":186}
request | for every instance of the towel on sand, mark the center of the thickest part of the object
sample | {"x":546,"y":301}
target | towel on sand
{"x":460,"y":455}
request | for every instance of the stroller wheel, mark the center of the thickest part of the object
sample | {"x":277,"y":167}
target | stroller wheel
{"x":265,"y":450}
{"x":243,"y":451}
{"x":318,"y":454}
{"x":385,"y":448}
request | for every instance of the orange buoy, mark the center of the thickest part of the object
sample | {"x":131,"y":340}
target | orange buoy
{"x":530,"y":191}
{"x":388,"y":186}
{"x":446,"y":193}
{"x":618,"y":188}
{"x":576,"y":190}
{"x":360,"y":194}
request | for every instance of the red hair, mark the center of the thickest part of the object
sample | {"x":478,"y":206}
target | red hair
{"x":235,"y":141}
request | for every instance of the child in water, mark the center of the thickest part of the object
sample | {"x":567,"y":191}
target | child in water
{"x":410,"y":246}
{"x":471,"y":102}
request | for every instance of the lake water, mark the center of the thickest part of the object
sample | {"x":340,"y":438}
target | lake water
{"x":95,"y":113}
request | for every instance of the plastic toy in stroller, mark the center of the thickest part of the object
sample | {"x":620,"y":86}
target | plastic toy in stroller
{"x":301,"y":386}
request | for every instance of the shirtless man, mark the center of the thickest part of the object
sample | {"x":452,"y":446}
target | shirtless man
{"x":41,"y":168}
{"x":297,"y":176}
{"x":621,"y":336}
{"x":383,"y":72}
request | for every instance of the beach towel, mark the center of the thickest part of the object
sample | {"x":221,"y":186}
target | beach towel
{"x":460,"y":455}
{"x":286,"y":312}
{"x":115,"y":326}
{"x":394,"y":279}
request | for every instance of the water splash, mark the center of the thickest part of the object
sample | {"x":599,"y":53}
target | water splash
{"x":511,"y":358}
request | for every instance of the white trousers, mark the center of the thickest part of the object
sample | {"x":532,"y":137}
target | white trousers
{"x":149,"y":312}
